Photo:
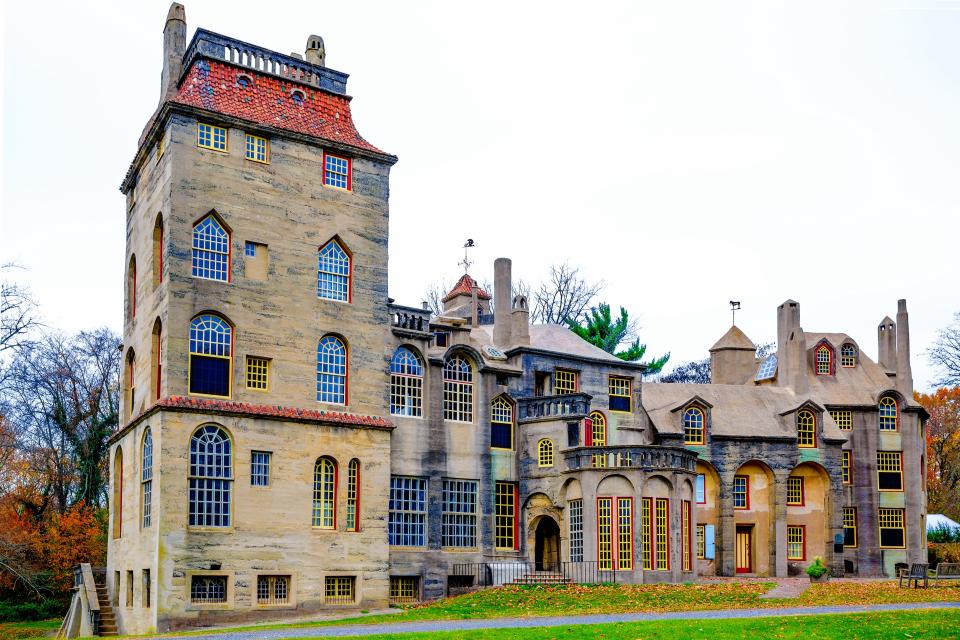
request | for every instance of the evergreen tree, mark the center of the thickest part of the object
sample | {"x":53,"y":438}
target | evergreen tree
{"x":601,"y":330}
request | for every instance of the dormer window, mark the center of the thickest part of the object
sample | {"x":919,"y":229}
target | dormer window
{"x":848,"y":356}
{"x":693,"y":426}
{"x":889,"y":417}
{"x":824,"y":360}
{"x":806,"y":430}
{"x":297,"y":96}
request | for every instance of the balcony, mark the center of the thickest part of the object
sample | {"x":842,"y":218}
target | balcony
{"x":570,"y":407}
{"x":646,"y":457}
{"x":410,"y":322}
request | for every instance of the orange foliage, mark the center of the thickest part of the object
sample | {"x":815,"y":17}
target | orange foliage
{"x":943,"y":450}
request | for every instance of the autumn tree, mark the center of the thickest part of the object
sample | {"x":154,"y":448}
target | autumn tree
{"x":600,"y":329}
{"x":943,"y":450}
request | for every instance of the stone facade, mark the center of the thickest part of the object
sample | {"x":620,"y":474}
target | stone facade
{"x":539,"y":455}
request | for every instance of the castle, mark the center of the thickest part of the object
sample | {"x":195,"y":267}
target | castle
{"x":292,"y":441}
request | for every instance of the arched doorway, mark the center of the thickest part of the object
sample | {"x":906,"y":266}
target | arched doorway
{"x":547,"y":545}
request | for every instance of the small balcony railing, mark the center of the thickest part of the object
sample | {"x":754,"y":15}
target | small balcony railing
{"x":410,"y":321}
{"x":498,"y":574}
{"x":573,"y":406}
{"x":645,"y":457}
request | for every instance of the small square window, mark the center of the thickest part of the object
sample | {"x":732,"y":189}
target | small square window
{"x":565,"y":382}
{"x":273,"y":590}
{"x":441,"y":338}
{"x":257,"y":149}
{"x":211,"y":137}
{"x":336,"y":172}
{"x":258,"y":373}
{"x":250,"y":249}
{"x":339,"y":590}
{"x":843,"y":418}
{"x":621,"y":394}
{"x":260,"y":468}
{"x":404,"y":589}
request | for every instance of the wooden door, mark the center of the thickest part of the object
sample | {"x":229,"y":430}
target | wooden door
{"x":744,"y":550}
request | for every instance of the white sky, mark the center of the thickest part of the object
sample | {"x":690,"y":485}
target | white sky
{"x":685,"y":153}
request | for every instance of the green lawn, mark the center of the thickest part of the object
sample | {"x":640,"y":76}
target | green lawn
{"x":941,"y":625}
{"x":17,"y":630}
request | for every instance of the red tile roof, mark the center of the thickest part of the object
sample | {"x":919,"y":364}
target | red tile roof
{"x":465,"y":285}
{"x":272,"y":411}
{"x":268,"y":101}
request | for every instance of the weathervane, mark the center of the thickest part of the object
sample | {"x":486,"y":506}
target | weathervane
{"x":734,"y":307}
{"x":466,"y":260}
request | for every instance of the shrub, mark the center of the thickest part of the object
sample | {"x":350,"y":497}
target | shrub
{"x":943,"y":552}
{"x":817,"y":569}
{"x":29,"y":611}
{"x":943,"y":533}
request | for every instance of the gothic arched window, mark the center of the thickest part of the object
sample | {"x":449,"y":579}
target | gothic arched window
{"x":806,"y":430}
{"x":824,"y":360}
{"x":146,"y":478}
{"x":332,"y":370}
{"x":211,"y":477}
{"x":333,"y":272}
{"x":211,"y":250}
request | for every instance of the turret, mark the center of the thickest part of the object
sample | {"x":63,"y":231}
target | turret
{"x":316,"y":53}
{"x":904,"y":372}
{"x":174,"y":47}
{"x":887,"y":344}
{"x":732,"y":358}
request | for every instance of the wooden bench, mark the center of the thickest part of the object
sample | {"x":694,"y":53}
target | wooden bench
{"x":916,"y":573}
{"x":947,"y":571}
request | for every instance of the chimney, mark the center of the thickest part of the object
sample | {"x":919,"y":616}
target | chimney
{"x":316,"y":53}
{"x":174,"y":47}
{"x":474,"y":304}
{"x":904,"y":374}
{"x":887,"y":344}
{"x":788,"y":323}
{"x":796,"y":365}
{"x":521,"y":321}
{"x":502,"y":295}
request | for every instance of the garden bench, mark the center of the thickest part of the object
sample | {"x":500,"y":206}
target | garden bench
{"x":916,"y":573}
{"x":947,"y":571}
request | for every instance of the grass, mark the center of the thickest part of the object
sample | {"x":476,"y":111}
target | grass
{"x":18,"y":630}
{"x":902,"y":624}
{"x":540,"y":600}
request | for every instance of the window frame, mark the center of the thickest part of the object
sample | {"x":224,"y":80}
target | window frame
{"x":598,"y":427}
{"x":213,"y":129}
{"x":802,"y":442}
{"x":457,"y":525}
{"x":146,"y":479}
{"x":407,"y":519}
{"x":575,"y":529}
{"x":620,"y":387}
{"x":828,"y":350}
{"x":802,"y":529}
{"x":545,"y":453}
{"x":505,"y":516}
{"x":348,"y":176}
{"x":843,"y":419}
{"x":404,"y":592}
{"x":882,"y":419}
{"x":898,"y":512}
{"x":353,"y":495}
{"x":261,"y":468}
{"x":890,"y":455}
{"x":225,"y":602}
{"x":797,"y":481}
{"x":259,"y":368}
{"x":856,"y":540}
{"x":746,"y":492}
{"x":661,"y":534}
{"x":406,"y":388}
{"x":848,"y":356}
{"x":340,"y":596}
{"x":324,"y":490}
{"x":686,"y":540}
{"x":272,"y":580}
{"x":214,"y":345}
{"x":329,"y":369}
{"x":205,"y":483}
{"x":334,"y":276}
{"x":700,"y":483}
{"x":570,"y":381}
{"x":203,"y":253}
{"x":846,"y":466}
{"x":248,"y":138}
{"x":687,"y":420}
{"x":459,"y":397}
{"x":497,"y":407}
{"x":701,"y":541}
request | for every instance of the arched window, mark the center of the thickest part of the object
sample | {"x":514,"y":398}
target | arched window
{"x":156,"y":358}
{"x":693,"y":426}
{"x":406,"y":383}
{"x":806,"y":430}
{"x":501,"y":424}
{"x":211,"y":477}
{"x":457,"y":390}
{"x":146,"y":477}
{"x":889,"y":414}
{"x":333,"y":272}
{"x":353,"y":495}
{"x":824,"y":360}
{"x":158,"y":251}
{"x":848,"y":356}
{"x":118,"y":493}
{"x":332,"y":370}
{"x":325,"y":494}
{"x":132,"y":288}
{"x":129,"y":391}
{"x":598,"y":437}
{"x":211,"y":250}
{"x":211,"y":356}
{"x":545,"y":453}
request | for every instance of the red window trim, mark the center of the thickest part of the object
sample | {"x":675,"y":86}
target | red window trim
{"x":832,"y":363}
{"x":346,"y":250}
{"x":689,"y":521}
{"x":160,"y":359}
{"x":704,"y":489}
{"x":803,"y":547}
{"x":588,"y":432}
{"x":615,"y":532}
{"x":356,"y":506}
{"x":803,"y":493}
{"x":349,"y":170}
{"x":667,"y":535}
{"x":747,"y":494}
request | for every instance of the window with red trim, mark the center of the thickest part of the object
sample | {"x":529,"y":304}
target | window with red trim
{"x":337,"y":171}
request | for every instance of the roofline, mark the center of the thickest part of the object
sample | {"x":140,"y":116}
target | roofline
{"x":546,"y":352}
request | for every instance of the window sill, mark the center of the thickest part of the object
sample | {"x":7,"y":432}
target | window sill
{"x":192,"y":529}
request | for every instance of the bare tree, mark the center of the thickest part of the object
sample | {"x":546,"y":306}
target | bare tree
{"x":564,"y":296}
{"x":945,"y":354}
{"x":434,"y":295}
{"x":17,"y":312}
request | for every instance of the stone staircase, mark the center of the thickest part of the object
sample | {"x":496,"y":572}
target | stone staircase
{"x":542,"y":577}
{"x":108,"y":620}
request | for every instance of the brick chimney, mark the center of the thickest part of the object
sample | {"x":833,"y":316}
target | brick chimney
{"x":174,"y":47}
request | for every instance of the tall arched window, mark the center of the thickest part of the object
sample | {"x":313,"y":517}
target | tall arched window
{"x":211,"y":250}
{"x":146,"y":477}
{"x":132,"y":288}
{"x":545,"y":453}
{"x":353,"y":495}
{"x":156,"y":358}
{"x":332,"y":370}
{"x":325,"y":494}
{"x":457,"y":390}
{"x":406,"y":383}
{"x":824,"y":360}
{"x":333,"y":272}
{"x":889,"y":417}
{"x":211,"y":356}
{"x":118,"y":493}
{"x":693,"y":426}
{"x":501,"y":423}
{"x":848,"y":356}
{"x":211,"y":477}
{"x":598,"y":437}
{"x":158,"y":250}
{"x":129,"y":391}
{"x":806,"y":430}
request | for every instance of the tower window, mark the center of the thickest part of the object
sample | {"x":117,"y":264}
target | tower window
{"x":211,"y":137}
{"x":406,"y":384}
{"x":211,"y":250}
{"x":545,"y":453}
{"x":258,"y":373}
{"x":325,"y":494}
{"x":332,"y":370}
{"x":693,"y":429}
{"x":333,"y":272}
{"x":888,"y":414}
{"x":806,"y":430}
{"x":211,"y":478}
{"x":890,"y":470}
{"x":146,"y":479}
{"x":257,"y":149}
{"x":501,"y":424}
{"x":211,"y":356}
{"x":336,"y":172}
{"x":457,"y":390}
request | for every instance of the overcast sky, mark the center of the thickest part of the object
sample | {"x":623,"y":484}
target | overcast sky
{"x":686,"y":154}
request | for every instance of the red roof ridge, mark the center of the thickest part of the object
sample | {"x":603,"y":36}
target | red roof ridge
{"x":273,"y":411}
{"x":465,"y":285}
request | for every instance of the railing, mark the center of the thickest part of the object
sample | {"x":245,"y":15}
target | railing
{"x":84,"y":578}
{"x":631,"y":457}
{"x":213,"y":45}
{"x":573,"y":406}
{"x":410,"y":320}
{"x":497,"y":574}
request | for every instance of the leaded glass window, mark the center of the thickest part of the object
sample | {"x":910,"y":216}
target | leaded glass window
{"x":459,"y":519}
{"x":332,"y":370}
{"x":211,"y":477}
{"x":325,"y":494}
{"x":406,"y":526}
{"x":211,"y":350}
{"x":457,"y":390}
{"x":406,"y":383}
{"x":211,"y":250}
{"x":333,"y":272}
